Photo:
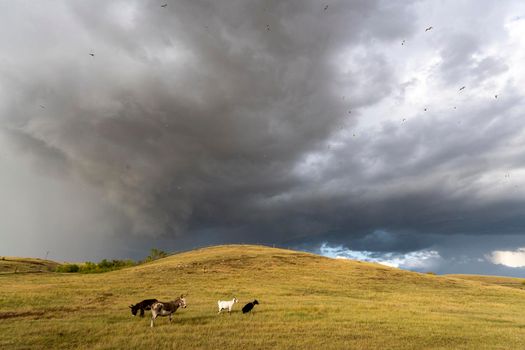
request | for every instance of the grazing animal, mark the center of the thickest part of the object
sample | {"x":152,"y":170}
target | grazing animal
{"x":248,"y":307}
{"x":143,"y":305}
{"x":223,"y":305}
{"x":162,"y":308}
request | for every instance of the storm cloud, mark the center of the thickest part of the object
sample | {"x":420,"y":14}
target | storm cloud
{"x":273,"y":122}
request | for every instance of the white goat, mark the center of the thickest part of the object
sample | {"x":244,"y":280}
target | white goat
{"x":223,"y":305}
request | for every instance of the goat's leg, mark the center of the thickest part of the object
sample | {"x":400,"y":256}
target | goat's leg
{"x":141,"y":312}
{"x":153,"y":317}
{"x":170,"y":317}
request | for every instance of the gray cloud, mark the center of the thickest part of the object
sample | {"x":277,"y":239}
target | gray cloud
{"x":207,"y":122}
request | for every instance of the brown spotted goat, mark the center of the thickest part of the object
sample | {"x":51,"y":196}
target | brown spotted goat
{"x":163,"y":308}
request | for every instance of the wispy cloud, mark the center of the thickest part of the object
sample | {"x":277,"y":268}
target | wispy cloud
{"x":423,"y":260}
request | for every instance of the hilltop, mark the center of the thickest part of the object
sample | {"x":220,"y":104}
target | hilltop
{"x":306,"y":301}
{"x":9,"y":264}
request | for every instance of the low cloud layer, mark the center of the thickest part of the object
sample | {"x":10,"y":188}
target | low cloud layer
{"x":283,"y":123}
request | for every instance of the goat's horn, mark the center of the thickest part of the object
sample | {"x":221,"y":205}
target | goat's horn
{"x":131,"y":306}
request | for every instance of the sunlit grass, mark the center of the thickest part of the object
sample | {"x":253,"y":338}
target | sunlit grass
{"x":306,"y":301}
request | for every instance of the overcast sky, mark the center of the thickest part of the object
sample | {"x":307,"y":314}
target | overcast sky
{"x":390,"y":131}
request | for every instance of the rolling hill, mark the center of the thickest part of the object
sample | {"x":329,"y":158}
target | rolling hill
{"x":306,"y":302}
{"x":10,"y":264}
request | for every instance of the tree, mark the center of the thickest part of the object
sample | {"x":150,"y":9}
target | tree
{"x":156,"y":254}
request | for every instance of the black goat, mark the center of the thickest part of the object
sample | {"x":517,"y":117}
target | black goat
{"x":248,"y":307}
{"x":143,"y":305}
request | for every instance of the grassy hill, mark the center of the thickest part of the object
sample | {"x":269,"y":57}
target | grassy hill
{"x":511,"y":282}
{"x":23,"y":265}
{"x":306,"y":302}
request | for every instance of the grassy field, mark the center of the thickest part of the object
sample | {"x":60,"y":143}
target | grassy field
{"x":24,"y":265}
{"x":306,"y":302}
{"x":511,"y":282}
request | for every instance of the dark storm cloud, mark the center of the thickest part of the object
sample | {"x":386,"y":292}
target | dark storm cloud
{"x":239,"y":121}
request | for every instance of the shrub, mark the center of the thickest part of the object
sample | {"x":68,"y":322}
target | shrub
{"x":155,"y":254}
{"x":105,"y":265}
{"x":91,"y":267}
{"x":67,"y":268}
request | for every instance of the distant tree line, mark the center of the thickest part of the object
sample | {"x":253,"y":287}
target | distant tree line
{"x":109,"y":265}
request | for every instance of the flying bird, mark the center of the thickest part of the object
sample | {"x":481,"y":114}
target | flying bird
{"x":403,"y":42}
{"x":425,"y":109}
{"x":92,"y":54}
{"x":165,"y":5}
{"x":268,"y":27}
{"x":326,"y":7}
{"x":41,"y":106}
{"x":463,"y":87}
{"x":495,"y":96}
{"x":429,"y":28}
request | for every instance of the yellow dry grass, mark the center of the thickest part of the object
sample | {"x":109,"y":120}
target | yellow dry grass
{"x":306,"y":302}
{"x":512,"y":282}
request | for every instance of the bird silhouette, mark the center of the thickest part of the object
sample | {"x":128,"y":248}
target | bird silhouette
{"x":495,"y":96}
{"x":425,"y":109}
{"x":92,"y":54}
{"x":165,"y":5}
{"x":429,"y":28}
{"x":461,"y":88}
{"x":41,"y":106}
{"x":268,"y":27}
{"x":403,"y":42}
{"x":326,"y":7}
